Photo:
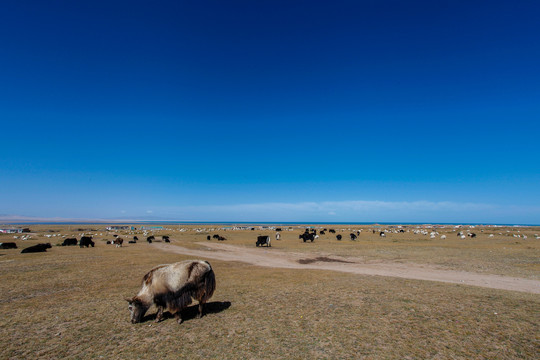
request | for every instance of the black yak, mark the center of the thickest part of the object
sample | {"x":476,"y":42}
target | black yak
{"x":70,"y":242}
{"x":263,"y":240}
{"x":8,"y":245}
{"x":36,"y":248}
{"x":86,"y":241}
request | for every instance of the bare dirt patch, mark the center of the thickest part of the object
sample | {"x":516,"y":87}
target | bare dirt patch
{"x":279,"y":259}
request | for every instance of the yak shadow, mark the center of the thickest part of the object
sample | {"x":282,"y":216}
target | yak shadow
{"x":192,"y":311}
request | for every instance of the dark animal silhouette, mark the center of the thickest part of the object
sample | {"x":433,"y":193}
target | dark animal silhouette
{"x":86,"y":241}
{"x":36,"y":248}
{"x":70,"y":242}
{"x":307,"y":236}
{"x":263,"y":240}
{"x":8,"y":245}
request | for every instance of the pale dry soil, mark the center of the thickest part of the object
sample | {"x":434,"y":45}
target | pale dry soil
{"x":274,"y":258}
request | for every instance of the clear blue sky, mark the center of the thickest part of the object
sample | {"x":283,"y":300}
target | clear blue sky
{"x":403,"y":111}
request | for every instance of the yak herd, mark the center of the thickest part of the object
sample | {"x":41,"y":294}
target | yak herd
{"x":84,"y":242}
{"x":262,"y":240}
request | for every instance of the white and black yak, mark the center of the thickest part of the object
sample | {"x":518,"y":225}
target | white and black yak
{"x":173,"y":287}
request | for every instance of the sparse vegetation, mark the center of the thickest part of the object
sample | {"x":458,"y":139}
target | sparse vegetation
{"x":69,"y":302}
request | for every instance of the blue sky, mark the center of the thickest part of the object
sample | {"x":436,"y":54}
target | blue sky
{"x":340,"y":111}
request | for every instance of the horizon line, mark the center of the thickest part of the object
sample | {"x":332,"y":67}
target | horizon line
{"x":188,"y":222}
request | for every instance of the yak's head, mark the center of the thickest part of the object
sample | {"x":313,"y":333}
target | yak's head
{"x":137,"y":309}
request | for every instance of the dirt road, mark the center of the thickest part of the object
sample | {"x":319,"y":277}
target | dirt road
{"x":269,"y":257}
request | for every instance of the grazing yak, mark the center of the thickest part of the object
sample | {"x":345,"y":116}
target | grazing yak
{"x":36,"y":248}
{"x":8,"y":245}
{"x":86,"y":241}
{"x":70,"y":242}
{"x":118,"y":242}
{"x":150,"y":239}
{"x":263,"y":240}
{"x":166,"y":238}
{"x":307,"y":236}
{"x":173,"y":287}
{"x":338,"y":236}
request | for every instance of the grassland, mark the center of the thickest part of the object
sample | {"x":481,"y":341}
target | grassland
{"x":68,"y":302}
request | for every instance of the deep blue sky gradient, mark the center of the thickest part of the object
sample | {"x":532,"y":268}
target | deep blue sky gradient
{"x":189,"y":110}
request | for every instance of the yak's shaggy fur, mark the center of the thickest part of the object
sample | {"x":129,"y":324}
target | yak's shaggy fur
{"x":174,"y":287}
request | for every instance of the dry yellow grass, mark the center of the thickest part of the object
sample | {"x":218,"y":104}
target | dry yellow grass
{"x":68,"y":303}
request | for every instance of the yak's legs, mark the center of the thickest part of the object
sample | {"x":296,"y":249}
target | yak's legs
{"x":201,"y":307}
{"x":178,"y":316}
{"x":159,"y":315}
{"x":201,"y":310}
